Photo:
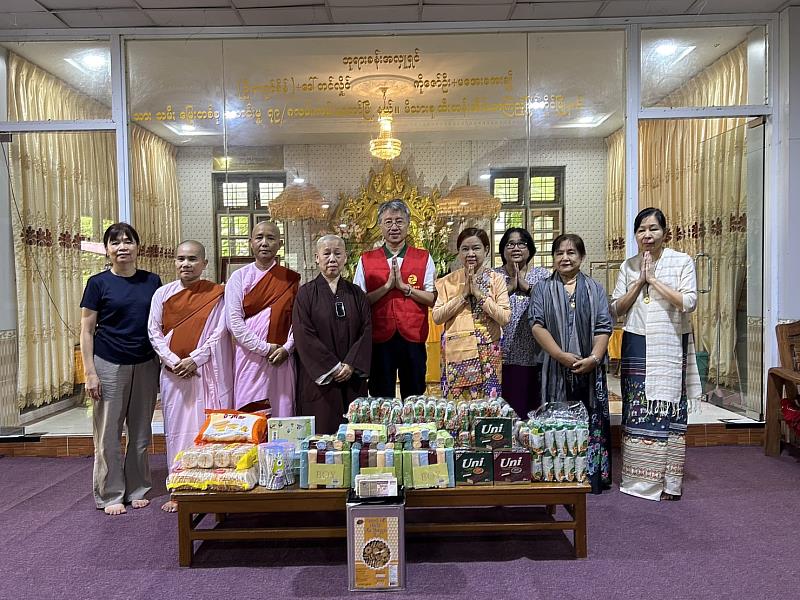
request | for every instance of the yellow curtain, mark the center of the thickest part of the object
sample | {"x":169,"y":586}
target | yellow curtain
{"x":57,"y":180}
{"x":156,"y":208}
{"x":64,"y":185}
{"x":694,"y":171}
{"x":615,"y":196}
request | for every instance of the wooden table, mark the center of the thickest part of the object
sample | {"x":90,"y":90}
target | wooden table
{"x":193,"y":506}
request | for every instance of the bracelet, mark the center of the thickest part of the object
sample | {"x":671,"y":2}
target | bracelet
{"x":596,"y":360}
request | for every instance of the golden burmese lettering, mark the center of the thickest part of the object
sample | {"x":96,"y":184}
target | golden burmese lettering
{"x":444,"y":82}
{"x":403,"y":61}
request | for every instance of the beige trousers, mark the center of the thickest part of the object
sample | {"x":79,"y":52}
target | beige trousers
{"x":128,"y":399}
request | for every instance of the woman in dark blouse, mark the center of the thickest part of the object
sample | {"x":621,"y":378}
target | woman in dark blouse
{"x":121,"y":371}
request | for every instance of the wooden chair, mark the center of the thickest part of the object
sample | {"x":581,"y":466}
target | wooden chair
{"x":782,"y":382}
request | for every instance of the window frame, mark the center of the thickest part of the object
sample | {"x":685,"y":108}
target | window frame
{"x":253,"y":211}
{"x":525,"y":204}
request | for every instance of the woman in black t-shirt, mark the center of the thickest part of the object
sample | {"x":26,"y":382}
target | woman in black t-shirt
{"x":121,"y":371}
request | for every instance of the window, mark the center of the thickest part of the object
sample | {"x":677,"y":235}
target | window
{"x":242,"y":201}
{"x":541,"y":193}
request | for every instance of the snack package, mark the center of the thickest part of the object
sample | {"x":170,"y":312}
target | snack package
{"x":376,"y":459}
{"x":232,"y":426}
{"x":474,"y":467}
{"x":219,"y":480}
{"x":325,"y":463}
{"x":428,"y":468}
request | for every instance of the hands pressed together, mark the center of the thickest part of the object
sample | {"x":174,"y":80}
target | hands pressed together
{"x":471,"y":287}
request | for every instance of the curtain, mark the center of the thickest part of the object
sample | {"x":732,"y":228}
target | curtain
{"x":58,"y":181}
{"x":615,"y":196}
{"x":156,"y":208}
{"x":694,"y":171}
{"x":64,"y":186}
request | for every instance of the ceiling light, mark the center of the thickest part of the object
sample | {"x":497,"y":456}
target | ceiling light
{"x":298,"y":180}
{"x":326,"y":205}
{"x":586,"y":121}
{"x":231,"y":114}
{"x":484,"y":176}
{"x":90,"y":62}
{"x":666,"y":48}
{"x":537,"y":105}
{"x":187,"y":128}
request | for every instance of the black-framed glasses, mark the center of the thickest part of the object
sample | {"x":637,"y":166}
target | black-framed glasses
{"x":516,"y":244}
{"x":339,"y":308}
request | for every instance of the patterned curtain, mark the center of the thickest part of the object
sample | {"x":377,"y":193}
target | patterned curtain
{"x":156,"y":207}
{"x":615,"y":196}
{"x":64,"y":185}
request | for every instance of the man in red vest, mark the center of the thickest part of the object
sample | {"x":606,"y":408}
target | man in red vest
{"x":399,"y":282}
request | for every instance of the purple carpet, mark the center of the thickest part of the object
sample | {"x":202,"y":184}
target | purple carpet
{"x":735,"y":534}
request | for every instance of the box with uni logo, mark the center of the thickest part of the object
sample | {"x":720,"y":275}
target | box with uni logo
{"x":493,"y":432}
{"x":474,"y":467}
{"x":512,"y":466}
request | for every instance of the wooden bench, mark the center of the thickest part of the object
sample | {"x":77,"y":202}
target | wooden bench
{"x":194,"y":506}
{"x":782,"y":382}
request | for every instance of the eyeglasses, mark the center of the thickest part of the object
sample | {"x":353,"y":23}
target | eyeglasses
{"x":516,"y":245}
{"x":339,"y":308}
{"x":390,"y":222}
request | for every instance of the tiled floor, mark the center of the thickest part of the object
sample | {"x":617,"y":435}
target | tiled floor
{"x":78,"y":421}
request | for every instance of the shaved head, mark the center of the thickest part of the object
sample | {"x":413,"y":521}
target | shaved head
{"x":263,"y":226}
{"x":331,"y":238}
{"x":191,"y":247}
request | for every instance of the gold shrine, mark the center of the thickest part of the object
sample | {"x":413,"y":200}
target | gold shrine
{"x":360,"y":213}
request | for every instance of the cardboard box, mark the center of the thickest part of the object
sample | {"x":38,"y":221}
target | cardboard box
{"x":474,"y":467}
{"x":493,"y":432}
{"x":512,"y":466}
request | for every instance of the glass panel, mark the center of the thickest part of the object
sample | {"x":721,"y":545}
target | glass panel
{"x":715,"y":214}
{"x":64,"y":187}
{"x":267,"y":191}
{"x":242,"y":247}
{"x":234,"y":194}
{"x":58,"y":80}
{"x":543,"y":189}
{"x":700,"y":67}
{"x":507,"y":189}
{"x":545,"y":226}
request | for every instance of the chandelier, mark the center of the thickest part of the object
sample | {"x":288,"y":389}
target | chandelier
{"x":385,"y":146}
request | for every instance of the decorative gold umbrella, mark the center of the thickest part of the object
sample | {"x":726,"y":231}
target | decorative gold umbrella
{"x":299,"y":202}
{"x":468,"y":201}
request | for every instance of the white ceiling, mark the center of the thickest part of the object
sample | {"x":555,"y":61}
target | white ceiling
{"x":53,"y":14}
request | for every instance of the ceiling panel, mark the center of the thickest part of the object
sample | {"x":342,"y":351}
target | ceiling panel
{"x":636,"y":8}
{"x":184,"y":3}
{"x":377,"y":14}
{"x":557,"y":10}
{"x":199,"y":17}
{"x":358,"y":3}
{"x":741,"y":6}
{"x":303,"y":15}
{"x":105,"y":18}
{"x":484,"y":12}
{"x":87,"y":4}
{"x":30,"y":20}
{"x":21,"y":6}
{"x":272,"y":3}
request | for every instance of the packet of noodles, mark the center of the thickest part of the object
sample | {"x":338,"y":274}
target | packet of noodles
{"x":232,"y":426}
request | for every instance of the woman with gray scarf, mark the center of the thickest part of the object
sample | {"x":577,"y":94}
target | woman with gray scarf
{"x":571,"y":322}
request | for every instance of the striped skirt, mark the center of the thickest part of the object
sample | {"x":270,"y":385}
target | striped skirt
{"x":653,"y":445}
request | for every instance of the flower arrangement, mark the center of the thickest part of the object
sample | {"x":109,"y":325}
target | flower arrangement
{"x":434,"y":236}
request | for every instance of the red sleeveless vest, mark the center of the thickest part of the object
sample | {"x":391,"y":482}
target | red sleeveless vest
{"x":395,"y":312}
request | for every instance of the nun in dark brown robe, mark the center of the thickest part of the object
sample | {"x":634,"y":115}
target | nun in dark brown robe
{"x":333,"y":339}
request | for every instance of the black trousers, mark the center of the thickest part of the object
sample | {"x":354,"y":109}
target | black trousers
{"x":396,"y":357}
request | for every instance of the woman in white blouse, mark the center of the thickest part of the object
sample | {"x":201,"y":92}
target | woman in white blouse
{"x":656,"y":293}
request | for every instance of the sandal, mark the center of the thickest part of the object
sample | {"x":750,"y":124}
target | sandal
{"x":670,"y":497}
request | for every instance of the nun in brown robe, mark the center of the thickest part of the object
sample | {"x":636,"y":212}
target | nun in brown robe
{"x":333,"y":339}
